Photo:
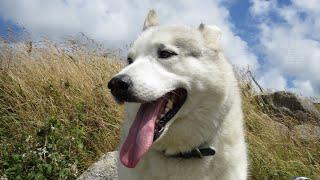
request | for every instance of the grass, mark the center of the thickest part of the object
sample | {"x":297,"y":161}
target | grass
{"x":57,"y":117}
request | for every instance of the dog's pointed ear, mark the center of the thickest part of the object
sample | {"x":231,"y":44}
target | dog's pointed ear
{"x":151,"y":20}
{"x":211,"y":34}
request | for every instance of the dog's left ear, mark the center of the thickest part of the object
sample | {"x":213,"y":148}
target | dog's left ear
{"x":151,"y":20}
{"x":211,"y":34}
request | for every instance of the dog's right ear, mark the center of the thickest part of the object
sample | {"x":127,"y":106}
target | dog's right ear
{"x":211,"y":34}
{"x":151,"y":20}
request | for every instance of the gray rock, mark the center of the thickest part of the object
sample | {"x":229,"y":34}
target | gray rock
{"x":104,"y":169}
{"x":306,"y":132}
{"x":290,"y":104}
{"x":300,"y":178}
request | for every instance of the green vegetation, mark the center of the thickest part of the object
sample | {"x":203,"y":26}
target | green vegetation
{"x":57,"y":117}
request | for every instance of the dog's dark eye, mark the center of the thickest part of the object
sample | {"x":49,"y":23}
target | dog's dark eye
{"x":129,"y":60}
{"x":164,"y":54}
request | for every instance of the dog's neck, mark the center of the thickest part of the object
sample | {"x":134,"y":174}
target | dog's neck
{"x":198,"y":152}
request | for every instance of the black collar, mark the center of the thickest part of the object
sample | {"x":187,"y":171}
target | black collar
{"x":198,"y":152}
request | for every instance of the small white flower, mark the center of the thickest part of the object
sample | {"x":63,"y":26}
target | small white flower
{"x":28,"y":138}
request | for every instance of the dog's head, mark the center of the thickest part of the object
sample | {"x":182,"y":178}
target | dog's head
{"x":172,"y":72}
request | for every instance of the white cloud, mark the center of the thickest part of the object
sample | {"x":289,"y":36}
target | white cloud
{"x":118,"y":22}
{"x":260,"y":7}
{"x":292,"y":45}
{"x":310,"y":5}
{"x":55,"y":18}
{"x":303,"y":87}
{"x":273,"y":80}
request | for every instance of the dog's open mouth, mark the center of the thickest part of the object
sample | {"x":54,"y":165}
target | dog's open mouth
{"x":149,"y":124}
{"x":173,"y":102}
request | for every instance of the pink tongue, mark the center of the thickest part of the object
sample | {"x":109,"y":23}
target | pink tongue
{"x":140,"y":136}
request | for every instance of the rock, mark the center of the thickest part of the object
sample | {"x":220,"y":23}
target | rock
{"x":290,"y":104}
{"x":307,"y":132}
{"x":104,"y":169}
{"x":300,"y":178}
{"x":302,"y":116}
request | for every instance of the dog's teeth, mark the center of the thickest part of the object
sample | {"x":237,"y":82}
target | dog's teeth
{"x":169,"y":106}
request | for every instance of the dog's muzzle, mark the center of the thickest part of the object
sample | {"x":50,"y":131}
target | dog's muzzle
{"x":120,"y":87}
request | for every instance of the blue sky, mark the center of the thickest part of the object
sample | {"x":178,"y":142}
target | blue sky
{"x":278,"y":39}
{"x":4,"y":24}
{"x":245,"y":23}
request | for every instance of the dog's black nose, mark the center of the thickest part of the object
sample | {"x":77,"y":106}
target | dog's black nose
{"x":121,"y":88}
{"x":120,"y":84}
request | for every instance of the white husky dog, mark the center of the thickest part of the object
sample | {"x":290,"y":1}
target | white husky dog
{"x":183,"y":108}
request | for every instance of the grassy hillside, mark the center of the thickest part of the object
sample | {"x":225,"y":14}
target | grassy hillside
{"x":57,"y":117}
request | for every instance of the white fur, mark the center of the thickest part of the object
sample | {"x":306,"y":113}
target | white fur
{"x":212,"y":112}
